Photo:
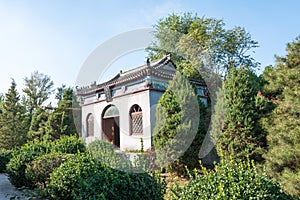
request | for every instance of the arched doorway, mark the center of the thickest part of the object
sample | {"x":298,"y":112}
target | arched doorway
{"x":110,"y":125}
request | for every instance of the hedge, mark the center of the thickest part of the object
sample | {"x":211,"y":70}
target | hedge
{"x":230,"y":180}
{"x":84,"y":177}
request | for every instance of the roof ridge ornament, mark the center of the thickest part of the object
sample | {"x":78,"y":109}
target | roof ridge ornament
{"x":168,"y":56}
{"x":148,"y":62}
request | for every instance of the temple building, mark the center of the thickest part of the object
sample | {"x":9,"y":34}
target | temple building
{"x":122,"y":110}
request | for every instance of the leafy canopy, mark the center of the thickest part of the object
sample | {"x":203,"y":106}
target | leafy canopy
{"x":198,"y":44}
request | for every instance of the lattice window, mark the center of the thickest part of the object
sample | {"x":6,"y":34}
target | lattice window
{"x":136,"y":116}
{"x":90,"y":125}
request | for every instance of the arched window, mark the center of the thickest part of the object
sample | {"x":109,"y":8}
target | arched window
{"x":90,"y":125}
{"x":136,"y":120}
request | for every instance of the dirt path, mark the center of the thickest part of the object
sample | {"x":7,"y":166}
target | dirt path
{"x":8,"y":191}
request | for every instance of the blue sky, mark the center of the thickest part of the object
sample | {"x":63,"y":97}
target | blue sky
{"x":55,"y":37}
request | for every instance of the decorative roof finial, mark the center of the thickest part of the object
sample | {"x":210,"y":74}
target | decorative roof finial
{"x":148,"y":62}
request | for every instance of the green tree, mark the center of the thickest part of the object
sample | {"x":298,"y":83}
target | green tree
{"x":38,"y":125}
{"x":241,"y":135}
{"x":12,"y":120}
{"x":202,"y":48}
{"x":283,"y":124}
{"x":179,"y":113}
{"x":1,"y":102}
{"x":198,"y":44}
{"x":38,"y":88}
{"x":60,"y":91}
{"x":61,"y":121}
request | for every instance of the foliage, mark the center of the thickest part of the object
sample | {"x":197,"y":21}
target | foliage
{"x":68,"y":144}
{"x":283,"y":125}
{"x":61,"y":121}
{"x":218,"y":115}
{"x":1,"y":102}
{"x":83,"y":177}
{"x":201,"y":48}
{"x":38,"y":88}
{"x":17,"y":165}
{"x":5,"y":156}
{"x":241,"y":135}
{"x":142,"y":145}
{"x":145,"y":162}
{"x":37,"y":129}
{"x":197,"y":44}
{"x":60,"y":91}
{"x":177,"y":118}
{"x":38,"y":171}
{"x":106,"y":154}
{"x":12,"y":120}
{"x":230,"y":180}
{"x":16,"y":168}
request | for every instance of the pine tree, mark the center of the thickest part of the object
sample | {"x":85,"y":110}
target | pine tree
{"x":38,"y":88}
{"x":218,"y":116}
{"x":1,"y":102}
{"x":12,"y":120}
{"x":38,"y":125}
{"x":180,"y":113}
{"x":241,"y":135}
{"x":283,"y":124}
{"x":61,"y":121}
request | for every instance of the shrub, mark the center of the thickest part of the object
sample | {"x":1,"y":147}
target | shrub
{"x":106,"y":154}
{"x":17,"y":165}
{"x":69,"y":144}
{"x":230,"y":180}
{"x":68,"y":178}
{"x":83,"y":177}
{"x":5,"y":156}
{"x":27,"y":153}
{"x":38,"y":171}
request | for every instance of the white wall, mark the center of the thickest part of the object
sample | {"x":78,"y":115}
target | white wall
{"x":154,"y":98}
{"x":123,"y":103}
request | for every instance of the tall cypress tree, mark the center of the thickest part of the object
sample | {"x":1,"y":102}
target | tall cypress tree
{"x":61,"y":121}
{"x":283,"y":124}
{"x":241,"y":135}
{"x":12,"y":120}
{"x":180,"y":122}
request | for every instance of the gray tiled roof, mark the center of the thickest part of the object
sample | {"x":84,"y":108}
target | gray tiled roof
{"x":163,"y":68}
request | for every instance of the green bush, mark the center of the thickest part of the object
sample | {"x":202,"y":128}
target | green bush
{"x":106,"y":154}
{"x":38,"y":171}
{"x":5,"y":156}
{"x":83,"y":177}
{"x":230,"y":180}
{"x":17,"y":165}
{"x":68,"y":144}
{"x":16,"y":168}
